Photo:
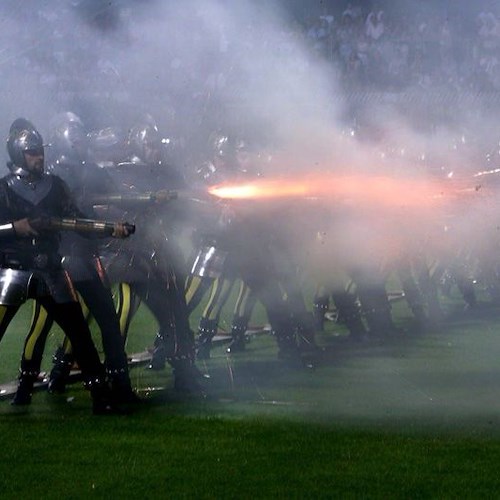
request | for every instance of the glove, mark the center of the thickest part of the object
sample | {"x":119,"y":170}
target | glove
{"x":23,"y":228}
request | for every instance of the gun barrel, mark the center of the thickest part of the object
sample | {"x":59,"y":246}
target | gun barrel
{"x":134,"y":198}
{"x":98,"y":227}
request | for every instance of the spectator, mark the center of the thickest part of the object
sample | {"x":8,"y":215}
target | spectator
{"x":374,"y":25}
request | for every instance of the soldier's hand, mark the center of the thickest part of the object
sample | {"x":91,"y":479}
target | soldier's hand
{"x":23,"y":228}
{"x":120,"y":230}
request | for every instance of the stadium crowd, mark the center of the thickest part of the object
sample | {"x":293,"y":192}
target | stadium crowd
{"x":371,"y":49}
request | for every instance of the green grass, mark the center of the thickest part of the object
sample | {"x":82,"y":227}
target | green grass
{"x":418,"y":417}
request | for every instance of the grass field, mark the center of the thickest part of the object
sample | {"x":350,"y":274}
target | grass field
{"x":417,"y":417}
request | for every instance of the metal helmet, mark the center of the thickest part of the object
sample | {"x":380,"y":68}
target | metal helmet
{"x":221,"y":145}
{"x":227,"y":146}
{"x":23,"y":136}
{"x":69,"y":138}
{"x":145,"y":142}
{"x":108,"y":146}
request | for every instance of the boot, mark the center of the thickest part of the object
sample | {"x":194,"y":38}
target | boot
{"x":186,"y":377}
{"x":381,"y":325}
{"x":159,"y":356}
{"x":238,"y":339}
{"x":320,"y":308}
{"x":415,"y":301}
{"x":288,"y":350}
{"x":206,"y":332}
{"x":102,"y":401}
{"x":377,"y":311}
{"x":356,"y":327}
{"x":466,"y":288}
{"x":59,"y":374}
{"x":306,"y":341}
{"x":421,"y":317}
{"x":24,"y":391}
{"x":121,"y":387}
{"x":350,"y":315}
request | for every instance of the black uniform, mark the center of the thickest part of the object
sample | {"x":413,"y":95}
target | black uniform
{"x":39,"y":256}
{"x":245,"y":244}
{"x":81,"y":261}
{"x":152,"y":268}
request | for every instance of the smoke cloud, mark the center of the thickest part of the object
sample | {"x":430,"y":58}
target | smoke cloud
{"x":250,"y":68}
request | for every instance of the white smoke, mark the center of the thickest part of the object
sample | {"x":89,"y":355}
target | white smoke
{"x":245,"y":67}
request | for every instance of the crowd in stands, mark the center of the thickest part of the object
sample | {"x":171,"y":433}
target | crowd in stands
{"x":370,"y":51}
{"x":382,"y":50}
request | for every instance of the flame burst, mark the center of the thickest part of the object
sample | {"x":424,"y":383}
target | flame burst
{"x":358,"y":189}
{"x":261,"y":189}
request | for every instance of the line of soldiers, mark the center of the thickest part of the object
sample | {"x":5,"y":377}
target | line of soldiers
{"x":120,"y":182}
{"x":59,"y":265}
{"x":424,"y":254}
{"x":69,"y":267}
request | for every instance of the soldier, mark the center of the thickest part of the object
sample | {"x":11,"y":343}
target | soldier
{"x":30,"y":259}
{"x":69,"y":148}
{"x":151,"y":268}
{"x":240,"y":243}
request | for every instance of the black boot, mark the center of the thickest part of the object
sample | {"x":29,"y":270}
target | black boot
{"x":121,"y":387}
{"x":381,"y":325}
{"x":355,"y":325}
{"x":102,"y":400}
{"x":421,"y":318}
{"x":59,"y":374}
{"x":306,"y":341}
{"x":466,"y":288}
{"x":357,"y":329}
{"x":349,"y":314}
{"x":288,"y":349}
{"x":186,"y":377}
{"x":159,"y":356}
{"x":320,"y":308}
{"x":206,"y":332}
{"x":377,"y":311}
{"x":238,"y":339}
{"x":24,"y":391}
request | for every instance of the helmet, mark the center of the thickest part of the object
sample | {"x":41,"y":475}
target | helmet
{"x":222,"y":146}
{"x":69,"y":138}
{"x":108,"y":146}
{"x":23,"y":136}
{"x":227,"y":146}
{"x":145,"y":142}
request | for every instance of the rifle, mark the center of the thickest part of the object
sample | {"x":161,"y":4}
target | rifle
{"x":89,"y":226}
{"x":134,"y":198}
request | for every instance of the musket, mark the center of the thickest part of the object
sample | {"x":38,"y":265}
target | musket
{"x":134,"y":198}
{"x":89,"y":226}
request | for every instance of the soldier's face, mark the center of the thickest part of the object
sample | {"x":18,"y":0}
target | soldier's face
{"x":34,"y":161}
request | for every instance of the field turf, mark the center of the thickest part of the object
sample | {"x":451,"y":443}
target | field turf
{"x":414,"y":417}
